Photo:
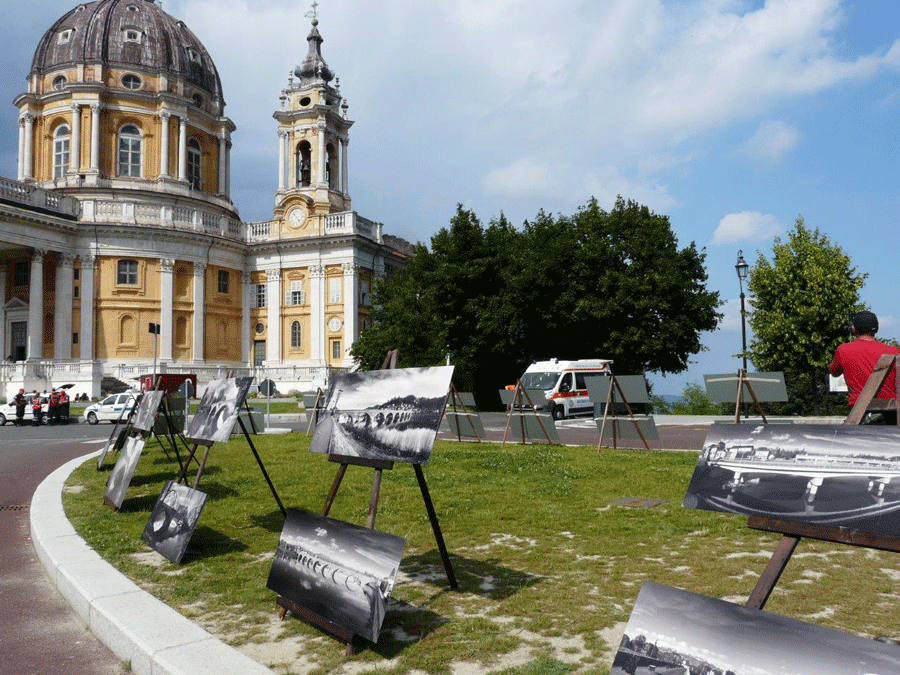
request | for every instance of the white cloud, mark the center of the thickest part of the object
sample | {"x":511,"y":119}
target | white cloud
{"x":749,"y":226}
{"x":477,"y":100}
{"x":528,"y":177}
{"x":731,"y":314}
{"x":772,"y":141}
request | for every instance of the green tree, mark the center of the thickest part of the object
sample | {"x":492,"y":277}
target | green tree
{"x":595,"y":284}
{"x":800,"y":303}
{"x":692,"y":401}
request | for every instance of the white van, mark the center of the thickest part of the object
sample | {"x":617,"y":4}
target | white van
{"x":563,"y":384}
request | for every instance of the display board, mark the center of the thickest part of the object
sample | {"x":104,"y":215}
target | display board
{"x":634,"y":388}
{"x":218,"y":410}
{"x":123,"y":471}
{"x":768,"y":387}
{"x":145,"y":415}
{"x":173,"y":520}
{"x":537,"y":427}
{"x":674,"y":632}
{"x":390,"y":415}
{"x":827,"y":474}
{"x":466,"y":425}
{"x":341,"y":572}
{"x":624,"y":427}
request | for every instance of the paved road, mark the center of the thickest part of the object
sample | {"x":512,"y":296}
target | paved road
{"x":41,"y":634}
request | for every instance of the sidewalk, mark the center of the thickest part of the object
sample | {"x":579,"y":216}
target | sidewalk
{"x":139,"y":629}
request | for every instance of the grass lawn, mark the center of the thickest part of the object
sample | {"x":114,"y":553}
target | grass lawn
{"x":548,"y":569}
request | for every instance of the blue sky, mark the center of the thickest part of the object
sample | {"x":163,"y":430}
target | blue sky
{"x":730,"y":117}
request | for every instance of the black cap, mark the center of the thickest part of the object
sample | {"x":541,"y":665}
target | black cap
{"x":865,"y":322}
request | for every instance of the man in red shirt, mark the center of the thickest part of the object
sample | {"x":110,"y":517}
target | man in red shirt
{"x":856,"y":360}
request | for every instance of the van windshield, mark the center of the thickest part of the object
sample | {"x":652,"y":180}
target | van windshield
{"x":539,"y":380}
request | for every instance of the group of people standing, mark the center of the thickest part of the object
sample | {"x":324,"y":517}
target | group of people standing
{"x":57,"y":407}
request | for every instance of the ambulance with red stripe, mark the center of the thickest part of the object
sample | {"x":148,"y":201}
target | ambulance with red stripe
{"x":563,"y":384}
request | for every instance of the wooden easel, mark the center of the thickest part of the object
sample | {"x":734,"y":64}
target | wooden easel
{"x":379,"y":465}
{"x":317,"y":408}
{"x":611,"y":404}
{"x":122,"y":433}
{"x":866,"y":402}
{"x":208,"y":444}
{"x":454,"y":399}
{"x":792,"y":532}
{"x":743,"y":381}
{"x":518,"y":407}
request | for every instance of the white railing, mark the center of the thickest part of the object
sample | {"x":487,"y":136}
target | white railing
{"x":30,"y":195}
{"x":260,"y":231}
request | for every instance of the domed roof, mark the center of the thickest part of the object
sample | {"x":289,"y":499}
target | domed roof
{"x":127,"y":33}
{"x":314,"y":67}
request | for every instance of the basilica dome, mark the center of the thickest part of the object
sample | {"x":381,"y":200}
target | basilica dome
{"x":127,"y":34}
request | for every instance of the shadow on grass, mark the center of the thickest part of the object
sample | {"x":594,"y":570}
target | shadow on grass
{"x":207,"y":543}
{"x":486,"y":578}
{"x":143,"y":504}
{"x":403,"y":626}
{"x":271,"y":522}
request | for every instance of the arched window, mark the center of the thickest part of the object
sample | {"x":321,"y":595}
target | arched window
{"x":330,"y":172}
{"x":130,"y":151}
{"x":181,"y":331}
{"x":127,"y":330}
{"x":296,"y":339}
{"x":61,"y":139}
{"x":303,"y":166}
{"x":194,"y":159}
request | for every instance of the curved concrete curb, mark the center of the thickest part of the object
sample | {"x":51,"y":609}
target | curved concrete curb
{"x":137,"y":628}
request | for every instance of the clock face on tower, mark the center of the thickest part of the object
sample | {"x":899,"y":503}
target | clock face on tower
{"x":296,"y":217}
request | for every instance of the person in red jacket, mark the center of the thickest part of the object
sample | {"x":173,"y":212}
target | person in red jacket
{"x":856,"y":360}
{"x":36,"y":408}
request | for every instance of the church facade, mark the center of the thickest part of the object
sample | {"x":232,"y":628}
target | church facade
{"x":121,"y":248}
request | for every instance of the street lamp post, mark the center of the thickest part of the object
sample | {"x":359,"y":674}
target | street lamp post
{"x":742,"y":268}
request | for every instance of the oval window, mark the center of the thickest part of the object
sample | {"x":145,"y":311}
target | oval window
{"x":130,"y":81}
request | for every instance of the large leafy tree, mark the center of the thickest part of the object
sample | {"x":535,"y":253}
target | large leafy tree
{"x":593,"y":285}
{"x":801,"y":299}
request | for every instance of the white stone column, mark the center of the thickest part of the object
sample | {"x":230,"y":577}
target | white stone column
{"x":62,"y":307}
{"x":317,"y":312}
{"x":95,"y":137}
{"x":228,"y":168}
{"x":345,"y":179}
{"x":223,"y":163}
{"x":182,"y":149}
{"x":28,"y":150}
{"x":351,"y":306}
{"x":166,"y":323}
{"x":164,"y":117}
{"x":36,"y":307}
{"x":321,"y":151}
{"x":75,"y":148}
{"x":273,"y":314}
{"x":86,"y":335}
{"x":198,"y":337}
{"x":282,"y":135}
{"x":247,"y":290}
{"x":20,"y":168}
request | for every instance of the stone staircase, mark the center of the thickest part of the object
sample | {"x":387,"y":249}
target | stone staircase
{"x":111,"y":385}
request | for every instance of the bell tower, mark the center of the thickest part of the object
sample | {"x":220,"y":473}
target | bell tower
{"x":312,"y":145}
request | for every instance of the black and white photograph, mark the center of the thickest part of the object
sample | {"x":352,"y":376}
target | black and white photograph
{"x":122,"y":472}
{"x":674,"y":632}
{"x":827,"y":474}
{"x":146,"y":412}
{"x":173,"y":520}
{"x":339,"y":571}
{"x":383,"y":414}
{"x":218,"y":410}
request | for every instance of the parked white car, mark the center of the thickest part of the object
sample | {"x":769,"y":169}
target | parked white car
{"x":8,"y":411}
{"x":110,"y":409}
